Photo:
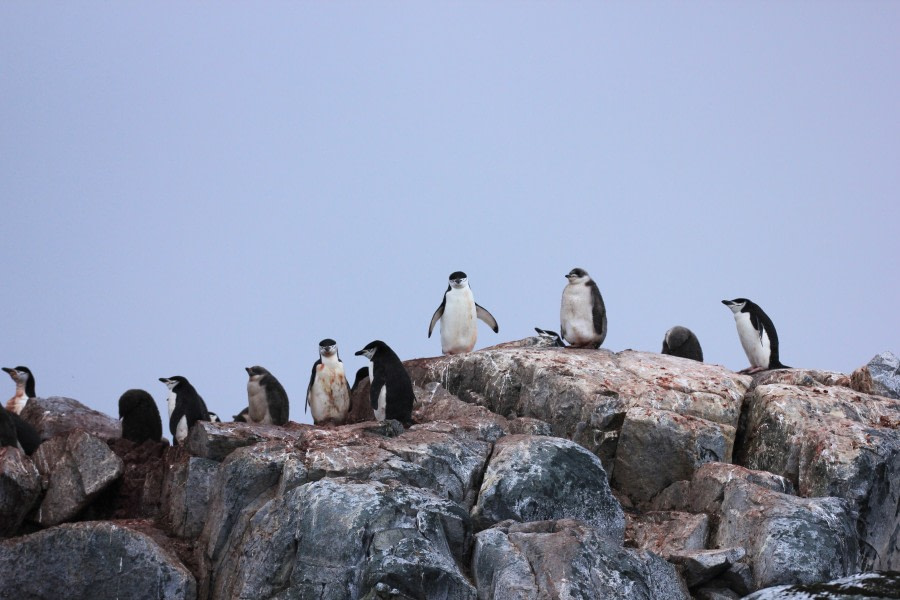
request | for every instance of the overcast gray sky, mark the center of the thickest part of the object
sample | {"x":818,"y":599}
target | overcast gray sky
{"x":192,"y":188}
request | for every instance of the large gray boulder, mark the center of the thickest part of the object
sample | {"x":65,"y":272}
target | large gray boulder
{"x":567,"y":559}
{"x":57,"y":415}
{"x":75,"y":468}
{"x":20,"y":488}
{"x":337,"y":539}
{"x":535,"y":478}
{"x":187,"y":489}
{"x":863,"y":586}
{"x":830,"y":440}
{"x":881,"y":376}
{"x":585,"y":394}
{"x":91,"y":560}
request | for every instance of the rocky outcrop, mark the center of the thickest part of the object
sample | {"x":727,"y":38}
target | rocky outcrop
{"x":881,"y":376}
{"x":872,"y":586}
{"x":20,"y":488}
{"x":531,"y":472}
{"x":91,"y":560}
{"x":75,"y":468}
{"x":57,"y":415}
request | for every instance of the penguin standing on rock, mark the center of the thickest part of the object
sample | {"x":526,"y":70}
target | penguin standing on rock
{"x":681,"y":341}
{"x":140,"y":417}
{"x":328,"y":393}
{"x":757,"y":334}
{"x":8,"y":435}
{"x":391,"y":391}
{"x":582,"y":315}
{"x":457,"y":313}
{"x":186,"y":407}
{"x":267,"y":402}
{"x":17,"y":432}
{"x":24,"y":388}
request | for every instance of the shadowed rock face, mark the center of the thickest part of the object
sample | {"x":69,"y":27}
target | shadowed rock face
{"x":478,"y":499}
{"x":91,"y":560}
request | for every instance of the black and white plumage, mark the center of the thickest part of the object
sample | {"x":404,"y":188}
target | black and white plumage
{"x":214,"y":418}
{"x":458,"y":313}
{"x":8,"y":435}
{"x":242,"y":417}
{"x":582,"y":313}
{"x":140,"y":417}
{"x":328,"y":393}
{"x":391,"y":391}
{"x":757,"y":334}
{"x":186,"y":407}
{"x":24,"y":379}
{"x":681,"y":341}
{"x":550,"y":338}
{"x":267,"y":402}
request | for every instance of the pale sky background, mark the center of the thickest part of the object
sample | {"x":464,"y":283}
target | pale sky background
{"x":194,"y":188}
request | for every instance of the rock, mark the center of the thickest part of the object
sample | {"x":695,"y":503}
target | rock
{"x":667,"y":533}
{"x":567,"y":559}
{"x":872,"y":585}
{"x":75,"y":468}
{"x":881,"y":376}
{"x":585,"y":394}
{"x":186,"y":492}
{"x":659,"y":447}
{"x":700,"y":566}
{"x":336,"y":539}
{"x":715,"y":593}
{"x":832,"y":441}
{"x":20,"y":488}
{"x":91,"y":560}
{"x":533,"y":478}
{"x":246,"y":479}
{"x":57,"y":415}
{"x":215,"y":441}
{"x":141,"y":484}
{"x":787,"y":539}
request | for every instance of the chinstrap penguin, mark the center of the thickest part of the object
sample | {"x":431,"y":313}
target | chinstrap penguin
{"x":266,"y":399}
{"x":391,"y":391}
{"x":550,"y":338}
{"x":328,"y":393}
{"x":214,"y":418}
{"x":242,"y":417}
{"x":457,"y":313}
{"x":757,"y":334}
{"x":681,"y":341}
{"x":582,"y":314}
{"x":140,"y":417}
{"x":17,"y":432}
{"x":8,"y":435}
{"x":24,"y":388}
{"x":186,"y":407}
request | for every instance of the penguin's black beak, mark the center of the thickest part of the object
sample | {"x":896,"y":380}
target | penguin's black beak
{"x":163,"y":379}
{"x":248,"y":370}
{"x":726,"y":302}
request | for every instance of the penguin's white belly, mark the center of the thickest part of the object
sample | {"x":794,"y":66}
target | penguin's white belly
{"x":576,"y":316}
{"x":171,"y":402}
{"x":757,"y":350}
{"x":329,"y":399}
{"x":17,"y":403}
{"x":382,"y":404}
{"x":258,"y":407}
{"x":459,"y":329}
{"x":181,"y":430}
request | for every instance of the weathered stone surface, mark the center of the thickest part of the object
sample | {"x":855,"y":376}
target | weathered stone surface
{"x":833,"y":441}
{"x":20,"y":488}
{"x":57,"y":415}
{"x":248,"y":477}
{"x":91,"y":560}
{"x":186,"y":492}
{"x":74,"y":468}
{"x":532,"y":478}
{"x":659,"y":447}
{"x":667,"y":532}
{"x":567,"y":559}
{"x":139,"y":491}
{"x":585,"y":394}
{"x":336,"y":539}
{"x":700,"y":566}
{"x":215,"y":441}
{"x":787,"y":539}
{"x":871,"y":585}
{"x":881,"y":376}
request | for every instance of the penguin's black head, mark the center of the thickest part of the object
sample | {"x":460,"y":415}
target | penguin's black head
{"x":361,"y":374}
{"x":458,"y":279}
{"x":328,"y":347}
{"x":174,"y":381}
{"x":577,"y":275}
{"x":255,"y":370}
{"x":736,"y":305}
{"x":20,"y":373}
{"x":371,"y":348}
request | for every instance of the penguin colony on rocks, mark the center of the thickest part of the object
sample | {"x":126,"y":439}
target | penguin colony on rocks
{"x":582,"y":324}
